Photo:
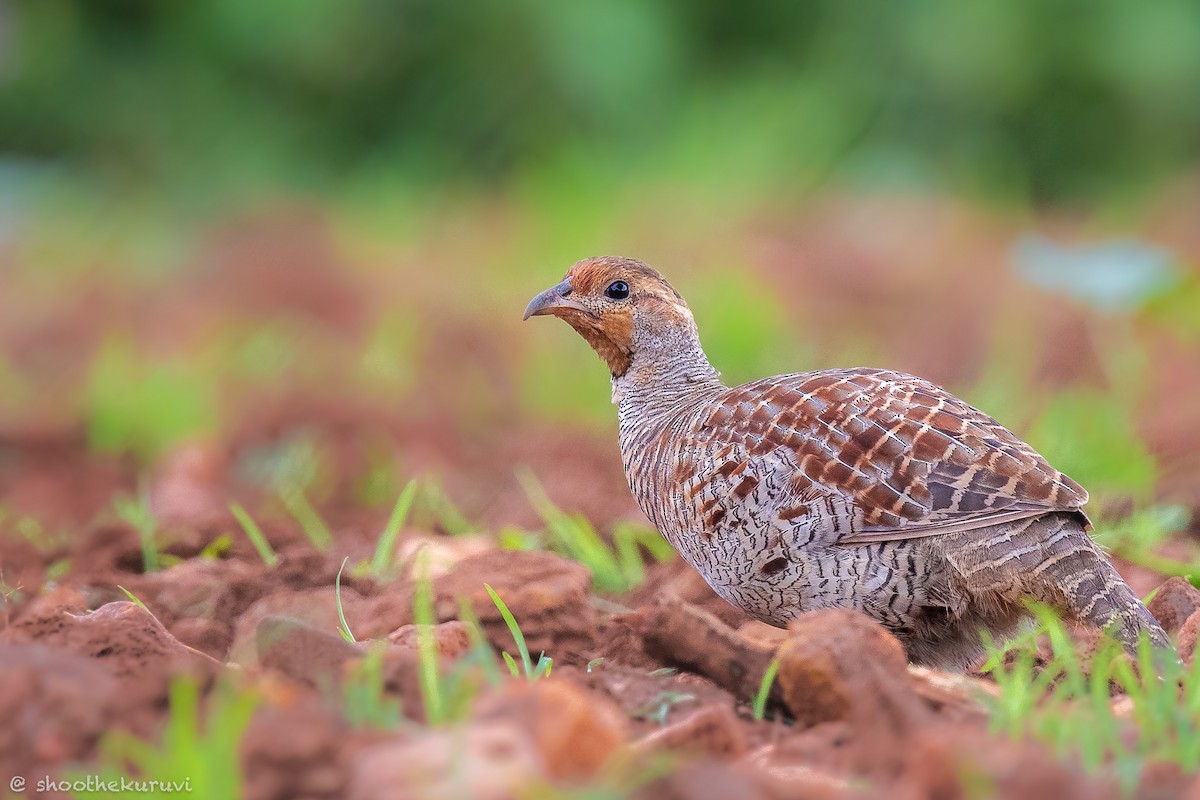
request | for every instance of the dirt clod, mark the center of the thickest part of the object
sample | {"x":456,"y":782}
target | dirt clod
{"x":486,"y":761}
{"x":54,"y":704}
{"x":839,"y":665}
{"x":707,"y":781}
{"x":547,"y":594}
{"x":368,"y":618}
{"x":1174,"y":602}
{"x":302,"y":652}
{"x":690,"y":637}
{"x":713,"y":731}
{"x":574,"y":732}
{"x":123,"y":635}
{"x":298,"y":750}
{"x":960,"y":763}
{"x":209,"y":636}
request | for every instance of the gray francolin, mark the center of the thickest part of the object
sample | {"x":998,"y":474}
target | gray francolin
{"x":857,"y":488}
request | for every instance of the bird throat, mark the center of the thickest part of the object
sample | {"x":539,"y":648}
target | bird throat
{"x":611,"y":338}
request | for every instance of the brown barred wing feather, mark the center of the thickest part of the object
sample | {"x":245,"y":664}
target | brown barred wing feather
{"x":896,"y":456}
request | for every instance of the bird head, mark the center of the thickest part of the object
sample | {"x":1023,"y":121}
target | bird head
{"x":619,"y":305}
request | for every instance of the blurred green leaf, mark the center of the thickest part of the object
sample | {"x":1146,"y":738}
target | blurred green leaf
{"x":1090,"y":436}
{"x":140,"y":406}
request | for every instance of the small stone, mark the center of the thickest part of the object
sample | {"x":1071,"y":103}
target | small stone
{"x":486,"y":761}
{"x":1188,"y":634}
{"x":452,"y":639}
{"x":440,"y":554}
{"x":1173,"y":603}
{"x":575,"y":732}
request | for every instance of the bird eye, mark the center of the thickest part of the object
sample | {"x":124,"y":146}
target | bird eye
{"x":617,"y":290}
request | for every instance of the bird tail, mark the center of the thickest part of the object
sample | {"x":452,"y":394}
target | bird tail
{"x":1051,"y":558}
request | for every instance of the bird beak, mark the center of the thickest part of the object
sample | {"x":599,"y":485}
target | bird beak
{"x":552,"y":301}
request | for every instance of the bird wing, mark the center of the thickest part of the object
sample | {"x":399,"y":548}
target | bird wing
{"x":870,"y":456}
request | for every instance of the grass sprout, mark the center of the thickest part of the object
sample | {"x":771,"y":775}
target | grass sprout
{"x":532,"y":671}
{"x":135,"y":511}
{"x":425,"y":619}
{"x":385,"y":549}
{"x":366,"y":703}
{"x":133,"y":598}
{"x":217,"y":548}
{"x":463,"y":683}
{"x":58,"y":569}
{"x":615,"y":568}
{"x":1137,"y":537}
{"x":197,"y":757}
{"x":297,"y":504}
{"x":9,"y":596}
{"x":254,"y":534}
{"x":447,"y":515}
{"x":447,"y":697}
{"x":343,"y":627}
{"x":764,"y":689}
{"x":660,"y":706}
{"x":1067,"y":704}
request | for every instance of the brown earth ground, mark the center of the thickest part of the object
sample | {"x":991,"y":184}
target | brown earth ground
{"x":665,"y":672}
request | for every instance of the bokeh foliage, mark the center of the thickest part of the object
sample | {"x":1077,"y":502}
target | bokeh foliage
{"x":1058,"y":100}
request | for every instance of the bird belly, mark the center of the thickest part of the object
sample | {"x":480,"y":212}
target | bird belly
{"x":775,"y":577}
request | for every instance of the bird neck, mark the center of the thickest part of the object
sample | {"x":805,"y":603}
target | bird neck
{"x":665,"y":374}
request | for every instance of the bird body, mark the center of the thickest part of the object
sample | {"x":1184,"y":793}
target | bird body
{"x":856,"y":488}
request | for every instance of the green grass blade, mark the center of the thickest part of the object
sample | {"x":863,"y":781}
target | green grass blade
{"x":513,"y":628}
{"x":512,"y":665}
{"x":574,"y":537}
{"x":385,"y":548}
{"x":479,"y":644}
{"x":136,"y":512}
{"x":310,"y":521}
{"x":255,"y":535}
{"x":543,"y":666}
{"x":133,"y":598}
{"x":445,"y":513}
{"x":344,"y":628}
{"x":764,"y":689}
{"x":423,"y":616}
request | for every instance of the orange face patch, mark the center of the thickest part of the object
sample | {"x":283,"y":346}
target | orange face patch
{"x":610,"y":335}
{"x":608,"y":324}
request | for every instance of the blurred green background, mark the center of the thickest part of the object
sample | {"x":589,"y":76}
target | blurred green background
{"x":213,"y":212}
{"x":1019,"y":99}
